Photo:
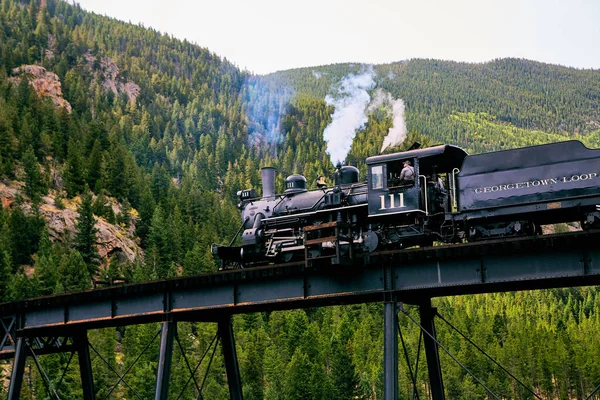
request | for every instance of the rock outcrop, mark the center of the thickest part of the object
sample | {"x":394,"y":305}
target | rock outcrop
{"x":112,"y":240}
{"x":7,"y":194}
{"x":46,"y":84}
{"x":109,"y":75}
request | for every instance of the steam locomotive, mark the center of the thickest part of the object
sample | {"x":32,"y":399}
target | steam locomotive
{"x":491,"y":195}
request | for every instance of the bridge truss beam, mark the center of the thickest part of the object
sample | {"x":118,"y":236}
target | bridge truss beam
{"x":410,"y":276}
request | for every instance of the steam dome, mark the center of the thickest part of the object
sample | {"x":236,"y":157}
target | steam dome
{"x":295,"y":184}
{"x":349,"y":175}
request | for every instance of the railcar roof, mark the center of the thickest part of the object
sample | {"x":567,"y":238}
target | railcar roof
{"x":444,"y":156}
{"x":533,"y":156}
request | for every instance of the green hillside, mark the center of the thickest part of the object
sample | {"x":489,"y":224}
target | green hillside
{"x":152,"y":137}
{"x":530,"y":96}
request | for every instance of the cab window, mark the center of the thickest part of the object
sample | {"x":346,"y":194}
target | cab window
{"x":394,"y":178}
{"x":377,"y":177}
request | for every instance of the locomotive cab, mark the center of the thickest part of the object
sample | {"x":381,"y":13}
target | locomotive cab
{"x":416,"y":206}
{"x":388,"y":193}
{"x":426,"y":195}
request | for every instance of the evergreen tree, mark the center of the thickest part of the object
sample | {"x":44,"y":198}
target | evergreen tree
{"x":146,"y":211}
{"x":297,"y":325}
{"x":274,"y":374}
{"x":160,"y":182}
{"x":7,"y":139}
{"x":25,"y":231}
{"x":199,"y":260}
{"x":34,"y":184}
{"x":85,"y":240}
{"x":144,"y":370}
{"x":74,"y":176}
{"x":102,"y":208}
{"x":73,"y":274}
{"x":124,"y":217}
{"x":193,"y":261}
{"x":6,"y":266}
{"x":297,"y":381}
{"x":95,"y":168}
{"x":344,"y":378}
{"x":5,"y":275}
{"x":253,"y":367}
{"x":21,"y":287}
{"x":46,"y":266}
{"x":105,"y":340}
{"x":118,"y":172}
{"x":320,"y":384}
{"x":160,"y":242}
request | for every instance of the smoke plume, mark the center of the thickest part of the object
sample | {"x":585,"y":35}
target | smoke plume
{"x":395,"y":107}
{"x":265,"y":108}
{"x":350,"y":101}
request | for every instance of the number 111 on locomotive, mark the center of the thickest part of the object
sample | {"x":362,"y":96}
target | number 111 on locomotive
{"x":392,"y":201}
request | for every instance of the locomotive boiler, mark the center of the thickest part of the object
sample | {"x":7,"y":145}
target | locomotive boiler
{"x":275,"y":226}
{"x":454,"y":197}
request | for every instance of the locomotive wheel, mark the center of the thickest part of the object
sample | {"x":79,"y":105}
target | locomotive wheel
{"x":286,"y":257}
{"x":371,"y":241}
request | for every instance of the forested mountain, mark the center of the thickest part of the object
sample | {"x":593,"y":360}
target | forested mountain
{"x":451,"y":102}
{"x":108,"y":124}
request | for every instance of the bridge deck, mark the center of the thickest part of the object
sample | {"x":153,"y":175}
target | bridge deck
{"x":412,"y":275}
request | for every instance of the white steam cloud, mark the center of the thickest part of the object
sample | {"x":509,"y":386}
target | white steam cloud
{"x":397,"y":132}
{"x":350,"y":104}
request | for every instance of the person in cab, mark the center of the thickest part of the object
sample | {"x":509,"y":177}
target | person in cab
{"x":407,"y":175}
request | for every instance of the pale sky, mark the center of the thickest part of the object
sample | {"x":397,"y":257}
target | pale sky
{"x":264,"y":36}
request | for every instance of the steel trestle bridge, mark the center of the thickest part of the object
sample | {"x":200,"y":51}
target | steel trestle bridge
{"x":60,"y":323}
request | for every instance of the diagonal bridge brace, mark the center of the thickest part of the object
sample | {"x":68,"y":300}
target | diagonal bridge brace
{"x":427,"y":315}
{"x":122,"y":377}
{"x":431,"y":336}
{"x":8,"y":336}
{"x":437,"y":314}
{"x":225,"y":336}
{"x":37,"y":346}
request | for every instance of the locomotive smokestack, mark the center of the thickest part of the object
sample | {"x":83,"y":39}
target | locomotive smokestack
{"x":268,"y":181}
{"x":338,"y":174}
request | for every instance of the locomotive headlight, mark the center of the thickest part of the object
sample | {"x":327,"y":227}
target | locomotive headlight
{"x":247,"y":194}
{"x":240,"y":196}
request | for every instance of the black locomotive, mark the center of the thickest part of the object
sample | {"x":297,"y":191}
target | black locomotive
{"x":454,"y":197}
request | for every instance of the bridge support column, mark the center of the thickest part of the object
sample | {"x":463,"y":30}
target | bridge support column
{"x":230,"y":356}
{"x":431,"y":350}
{"x":163,"y":373}
{"x":85,"y":365}
{"x":16,"y":379}
{"x":390,"y":350}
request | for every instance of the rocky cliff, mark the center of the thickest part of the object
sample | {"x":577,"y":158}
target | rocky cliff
{"x":106,"y":71}
{"x":46,"y":84}
{"x":112,"y":240}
